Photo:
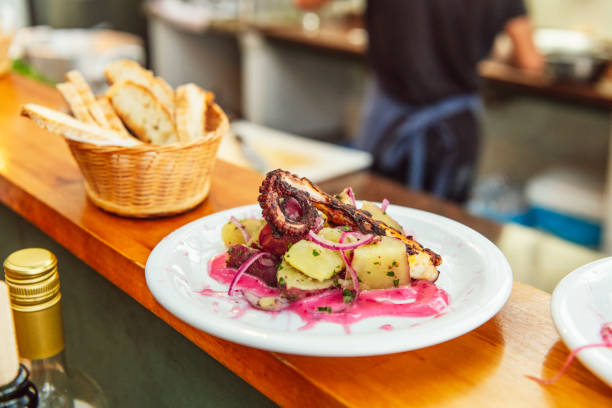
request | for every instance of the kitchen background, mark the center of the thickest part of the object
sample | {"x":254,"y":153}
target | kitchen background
{"x":280,"y":71}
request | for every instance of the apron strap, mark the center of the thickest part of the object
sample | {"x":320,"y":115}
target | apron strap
{"x":407,"y":138}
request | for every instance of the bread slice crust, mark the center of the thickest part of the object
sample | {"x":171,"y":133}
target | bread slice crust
{"x":127,"y":70}
{"x":71,"y":128}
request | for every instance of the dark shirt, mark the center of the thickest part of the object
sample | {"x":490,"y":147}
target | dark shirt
{"x":423,"y":51}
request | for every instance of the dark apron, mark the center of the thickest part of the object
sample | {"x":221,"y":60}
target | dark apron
{"x":396,"y":134}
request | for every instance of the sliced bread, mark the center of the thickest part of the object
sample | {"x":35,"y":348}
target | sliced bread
{"x":142,"y":112}
{"x":191,"y":104}
{"x":111,"y":116}
{"x":127,"y":70}
{"x":71,"y":128}
{"x":79,"y":83}
{"x":77,"y":106}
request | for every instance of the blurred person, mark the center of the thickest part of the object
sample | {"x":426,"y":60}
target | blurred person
{"x":421,"y":120}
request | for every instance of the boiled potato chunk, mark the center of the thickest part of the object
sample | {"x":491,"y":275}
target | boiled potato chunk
{"x":313,"y":260}
{"x":296,"y":284}
{"x":254,"y":233}
{"x":330,"y":234}
{"x":333,"y":235}
{"x":382,"y":264}
{"x":344,"y":197}
{"x":231,"y":235}
{"x":379,"y":215}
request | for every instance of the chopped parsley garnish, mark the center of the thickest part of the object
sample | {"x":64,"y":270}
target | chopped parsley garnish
{"x":390,"y":273}
{"x":345,"y":228}
{"x":280,"y":266}
{"x":376,"y":263}
{"x":396,"y":282}
{"x":230,"y":250}
{"x":281,"y":280}
{"x":347,"y":296}
{"x":315,"y":252}
{"x":395,"y":263}
{"x":327,"y":309}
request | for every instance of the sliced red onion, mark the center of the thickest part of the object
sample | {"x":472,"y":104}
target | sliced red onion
{"x":340,"y":246}
{"x":349,"y":267}
{"x":242,"y":228}
{"x":243,"y":268}
{"x":566,"y":364}
{"x":267,"y":262}
{"x":253,"y":299}
{"x":349,"y":192}
{"x":384,"y":205}
{"x":344,"y":235}
{"x":606,"y":335}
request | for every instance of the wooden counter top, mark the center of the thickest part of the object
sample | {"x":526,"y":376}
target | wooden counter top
{"x":486,"y":367}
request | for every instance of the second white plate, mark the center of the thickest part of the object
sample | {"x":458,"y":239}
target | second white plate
{"x":581,"y":304}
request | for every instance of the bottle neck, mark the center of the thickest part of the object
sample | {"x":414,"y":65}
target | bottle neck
{"x":40,"y":333}
{"x":55,"y":363}
{"x":20,"y":393}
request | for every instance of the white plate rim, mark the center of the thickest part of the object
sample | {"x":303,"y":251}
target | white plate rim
{"x":597,"y":360}
{"x":354,"y":345}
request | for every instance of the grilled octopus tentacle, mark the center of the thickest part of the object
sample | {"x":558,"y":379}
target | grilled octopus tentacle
{"x":280,"y":184}
{"x":273,"y":192}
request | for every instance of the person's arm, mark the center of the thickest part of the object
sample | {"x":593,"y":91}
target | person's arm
{"x":526,"y":55}
{"x":309,"y":4}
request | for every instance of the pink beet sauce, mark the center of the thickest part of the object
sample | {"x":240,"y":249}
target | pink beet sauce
{"x":421,"y":299}
{"x":219,"y":272}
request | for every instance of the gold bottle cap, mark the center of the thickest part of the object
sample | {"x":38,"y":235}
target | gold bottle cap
{"x":32,"y":277}
{"x":34,"y":287}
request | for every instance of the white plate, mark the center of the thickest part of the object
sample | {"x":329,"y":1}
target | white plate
{"x":581,"y":304}
{"x":474,"y":273}
{"x":313,"y":159}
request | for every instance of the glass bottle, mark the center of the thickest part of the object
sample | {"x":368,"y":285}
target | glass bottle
{"x":34,"y":285}
{"x":16,"y":390}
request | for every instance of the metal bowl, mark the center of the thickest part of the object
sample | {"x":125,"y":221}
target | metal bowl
{"x":572,"y":55}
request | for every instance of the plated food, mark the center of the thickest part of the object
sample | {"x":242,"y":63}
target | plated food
{"x":324,"y":259}
{"x":475,"y":275}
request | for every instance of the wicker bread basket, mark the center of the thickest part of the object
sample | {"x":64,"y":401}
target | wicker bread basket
{"x":148,"y":180}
